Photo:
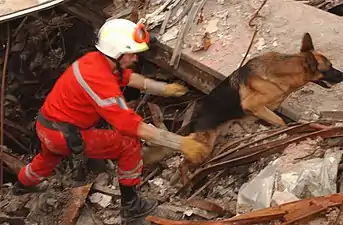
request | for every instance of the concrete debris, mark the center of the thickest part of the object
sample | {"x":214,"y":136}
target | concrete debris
{"x":212,"y":26}
{"x":288,"y":213}
{"x":284,"y":174}
{"x":87,"y":217}
{"x":282,"y":197}
{"x":204,"y":44}
{"x":250,"y":166}
{"x":170,"y":34}
{"x":260,"y":44}
{"x":160,"y":185}
{"x":100,"y":199}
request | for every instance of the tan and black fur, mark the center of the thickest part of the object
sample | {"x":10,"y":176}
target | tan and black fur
{"x":263,"y":83}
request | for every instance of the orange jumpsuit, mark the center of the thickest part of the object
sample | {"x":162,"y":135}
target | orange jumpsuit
{"x":86,"y":92}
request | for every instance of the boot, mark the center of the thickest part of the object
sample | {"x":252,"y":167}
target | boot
{"x":134,"y":207}
{"x":20,"y":189}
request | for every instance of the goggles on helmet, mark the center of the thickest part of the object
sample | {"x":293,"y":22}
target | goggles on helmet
{"x":140,"y":35}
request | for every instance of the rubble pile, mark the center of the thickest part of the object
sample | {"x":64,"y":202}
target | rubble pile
{"x":253,"y":173}
{"x":41,"y":48}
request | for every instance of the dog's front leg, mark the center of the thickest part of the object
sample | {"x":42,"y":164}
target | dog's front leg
{"x":268,"y":115}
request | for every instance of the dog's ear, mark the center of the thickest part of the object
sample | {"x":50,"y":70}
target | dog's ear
{"x":306,"y":44}
{"x":311,"y":62}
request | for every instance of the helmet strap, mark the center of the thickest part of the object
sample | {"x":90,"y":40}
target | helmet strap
{"x":118,"y":67}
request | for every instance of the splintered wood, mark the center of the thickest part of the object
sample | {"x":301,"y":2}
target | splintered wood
{"x":287,"y":213}
{"x":13,"y":163}
{"x":79,"y":195}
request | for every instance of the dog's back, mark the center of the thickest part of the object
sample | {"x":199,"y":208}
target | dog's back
{"x":224,"y":102}
{"x":270,"y":69}
{"x":263,"y":83}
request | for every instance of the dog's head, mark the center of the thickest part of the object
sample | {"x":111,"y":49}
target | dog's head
{"x":323,"y":73}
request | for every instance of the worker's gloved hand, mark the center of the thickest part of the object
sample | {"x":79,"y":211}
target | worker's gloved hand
{"x":194,"y":151}
{"x":175,"y":90}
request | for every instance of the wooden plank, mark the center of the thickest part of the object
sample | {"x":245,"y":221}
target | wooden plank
{"x":190,"y":70}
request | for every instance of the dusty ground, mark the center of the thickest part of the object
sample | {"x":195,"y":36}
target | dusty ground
{"x":47,"y":208}
{"x":313,"y":99}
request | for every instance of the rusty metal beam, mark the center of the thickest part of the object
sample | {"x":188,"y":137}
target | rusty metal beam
{"x":83,"y":13}
{"x":191,"y":71}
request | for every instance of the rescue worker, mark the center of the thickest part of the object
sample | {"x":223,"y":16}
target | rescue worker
{"x":90,"y":90}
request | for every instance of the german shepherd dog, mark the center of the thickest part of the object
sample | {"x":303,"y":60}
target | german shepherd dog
{"x":260,"y":86}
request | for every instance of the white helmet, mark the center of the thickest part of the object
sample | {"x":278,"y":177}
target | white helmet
{"x":120,"y":36}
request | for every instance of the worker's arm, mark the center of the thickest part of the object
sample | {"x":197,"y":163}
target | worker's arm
{"x":128,"y":122}
{"x":156,"y":87}
{"x":108,"y":101}
{"x":193,"y":150}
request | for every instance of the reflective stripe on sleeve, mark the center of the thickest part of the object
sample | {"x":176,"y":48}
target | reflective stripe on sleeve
{"x":101,"y":102}
{"x":32,"y":175}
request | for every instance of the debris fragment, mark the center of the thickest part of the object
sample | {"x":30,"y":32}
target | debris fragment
{"x":100,"y":199}
{"x":205,"y":43}
{"x":174,"y":61}
{"x":134,"y":13}
{"x":237,"y":155}
{"x":78,"y":198}
{"x":260,"y":44}
{"x":201,"y":16}
{"x":249,"y":152}
{"x":170,"y":34}
{"x":296,"y":178}
{"x":286,"y":213}
{"x":212,"y":26}
{"x":207,"y":205}
{"x":12,"y":162}
{"x":12,"y":220}
{"x":283,"y":197}
{"x":331,"y":115}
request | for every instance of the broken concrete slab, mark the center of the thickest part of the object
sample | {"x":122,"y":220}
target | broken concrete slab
{"x":277,"y":24}
{"x":282,"y":197}
{"x":282,"y":25}
{"x":100,"y":199}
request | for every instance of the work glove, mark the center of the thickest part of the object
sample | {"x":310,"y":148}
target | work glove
{"x":193,"y":150}
{"x":175,"y":90}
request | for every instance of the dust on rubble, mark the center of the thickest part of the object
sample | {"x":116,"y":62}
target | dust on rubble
{"x":47,"y":207}
{"x":36,"y":208}
{"x":104,"y":206}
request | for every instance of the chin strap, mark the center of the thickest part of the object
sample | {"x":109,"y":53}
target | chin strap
{"x":119,"y":68}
